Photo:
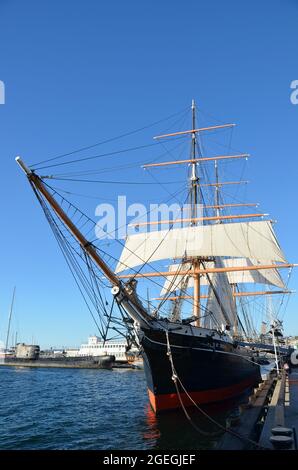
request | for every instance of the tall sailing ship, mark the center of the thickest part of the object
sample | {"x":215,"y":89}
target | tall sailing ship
{"x":195,"y":354}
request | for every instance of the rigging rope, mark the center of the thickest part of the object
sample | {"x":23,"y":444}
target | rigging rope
{"x":124,"y":166}
{"x":108,"y":181}
{"x":89,"y":220}
{"x":73,"y":265}
{"x":177,"y":381}
{"x":83,"y":159}
{"x":112,"y":139}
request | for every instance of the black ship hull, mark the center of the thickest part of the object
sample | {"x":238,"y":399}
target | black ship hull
{"x":210,"y":370}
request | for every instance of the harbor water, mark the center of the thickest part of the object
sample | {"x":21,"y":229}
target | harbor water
{"x":92,"y":409}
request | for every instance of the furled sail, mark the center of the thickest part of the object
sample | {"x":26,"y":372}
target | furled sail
{"x":255,"y":240}
{"x":265,"y":276}
{"x":220,"y":304}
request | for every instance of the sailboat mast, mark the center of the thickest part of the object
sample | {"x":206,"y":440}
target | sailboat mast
{"x":194,"y":214}
{"x":9,"y":319}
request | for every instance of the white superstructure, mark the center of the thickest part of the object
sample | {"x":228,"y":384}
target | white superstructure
{"x":97,"y":347}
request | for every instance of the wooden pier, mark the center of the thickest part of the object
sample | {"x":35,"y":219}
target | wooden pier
{"x":279,"y":430}
{"x":270,"y":418}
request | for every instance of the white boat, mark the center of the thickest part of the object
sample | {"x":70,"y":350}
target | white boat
{"x":97,"y":347}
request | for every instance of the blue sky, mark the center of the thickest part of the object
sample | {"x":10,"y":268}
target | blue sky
{"x":78,"y":72}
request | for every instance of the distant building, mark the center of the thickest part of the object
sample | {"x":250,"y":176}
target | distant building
{"x":293,"y":341}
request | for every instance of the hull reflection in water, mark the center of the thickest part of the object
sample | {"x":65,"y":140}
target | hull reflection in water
{"x":172,"y":430}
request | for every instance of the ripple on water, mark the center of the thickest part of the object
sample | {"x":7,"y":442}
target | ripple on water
{"x":85,"y":409}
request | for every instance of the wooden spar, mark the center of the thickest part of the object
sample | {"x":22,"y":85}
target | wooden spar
{"x":202,"y":129}
{"x":235,"y":294}
{"x":221,"y":206}
{"x":177,"y":297}
{"x":210,"y":270}
{"x":86,"y":245}
{"x":269,"y":292}
{"x":196,"y":160}
{"x":196,"y":219}
{"x":224,"y":183}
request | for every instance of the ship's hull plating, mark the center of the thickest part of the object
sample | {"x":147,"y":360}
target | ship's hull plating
{"x":210,"y":370}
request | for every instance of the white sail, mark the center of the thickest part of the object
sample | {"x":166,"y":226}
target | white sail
{"x":220,"y":305}
{"x":270,"y":277}
{"x":265,"y":276}
{"x":255,"y":240}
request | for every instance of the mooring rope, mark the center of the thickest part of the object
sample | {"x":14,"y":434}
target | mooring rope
{"x":177,"y":380}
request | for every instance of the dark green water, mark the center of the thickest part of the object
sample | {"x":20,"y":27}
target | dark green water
{"x":89,"y":409}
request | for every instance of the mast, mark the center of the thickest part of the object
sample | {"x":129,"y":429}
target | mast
{"x":194,"y":180}
{"x":9,"y":319}
{"x":217,"y":204}
{"x":194,"y":177}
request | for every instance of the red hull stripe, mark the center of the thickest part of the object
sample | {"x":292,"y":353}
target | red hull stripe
{"x":171,"y":400}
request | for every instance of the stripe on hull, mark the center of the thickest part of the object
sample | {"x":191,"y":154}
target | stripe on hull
{"x":171,"y":400}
